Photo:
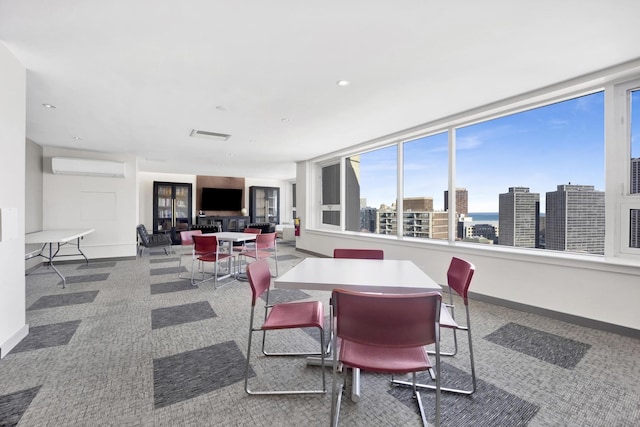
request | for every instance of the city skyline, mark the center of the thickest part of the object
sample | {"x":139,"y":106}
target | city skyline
{"x":542,"y":148}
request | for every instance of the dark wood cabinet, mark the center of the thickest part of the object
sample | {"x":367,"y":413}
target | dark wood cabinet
{"x":225,"y":223}
{"x":171,"y":208}
{"x":264,"y":205}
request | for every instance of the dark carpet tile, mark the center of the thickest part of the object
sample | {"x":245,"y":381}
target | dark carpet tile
{"x":110,"y":264}
{"x":44,"y":336}
{"x":489,"y":406}
{"x":277,"y":296}
{"x":168,"y":270}
{"x":163,"y":260}
{"x":13,"y":405}
{"x":176,"y":286}
{"x":287,"y":257}
{"x":547,"y":347}
{"x":61,"y":300}
{"x":179,"y":314}
{"x":193,"y":373}
{"x":85,"y":278}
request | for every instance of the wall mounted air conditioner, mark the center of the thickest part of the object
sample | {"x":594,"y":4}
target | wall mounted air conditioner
{"x":91,"y":167}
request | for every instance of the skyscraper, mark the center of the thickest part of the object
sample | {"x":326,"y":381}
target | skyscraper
{"x":518,"y":215}
{"x":575,"y":219}
{"x":462,"y":201}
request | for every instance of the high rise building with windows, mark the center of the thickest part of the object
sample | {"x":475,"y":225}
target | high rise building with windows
{"x":518,"y":216}
{"x":575,"y":219}
{"x":462,"y":201}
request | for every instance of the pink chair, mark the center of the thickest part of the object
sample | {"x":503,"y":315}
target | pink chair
{"x":281,"y":316}
{"x":206,"y":249}
{"x":359,"y":253}
{"x":265,"y":247}
{"x":186,"y":241}
{"x":459,"y":277}
{"x":385,"y":333}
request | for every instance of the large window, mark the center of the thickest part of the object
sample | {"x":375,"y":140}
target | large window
{"x":331,"y":194}
{"x":633,"y":218}
{"x":535,"y":179}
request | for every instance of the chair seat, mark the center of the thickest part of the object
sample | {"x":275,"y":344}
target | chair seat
{"x":384,"y":359}
{"x":295,"y":315}
{"x":211,"y":257}
{"x":446,"y":321}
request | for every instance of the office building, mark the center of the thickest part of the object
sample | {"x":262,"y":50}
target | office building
{"x":518,"y":217}
{"x":418,"y":204}
{"x":575,"y":219}
{"x":427,"y":225}
{"x":368,"y":219}
{"x":462,"y":201}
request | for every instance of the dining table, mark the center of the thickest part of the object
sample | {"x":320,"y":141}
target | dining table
{"x":362,"y":275}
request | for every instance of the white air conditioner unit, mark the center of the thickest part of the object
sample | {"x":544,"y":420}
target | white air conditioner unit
{"x":76,"y":166}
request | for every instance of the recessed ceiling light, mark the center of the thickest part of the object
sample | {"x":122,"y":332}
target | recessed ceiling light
{"x":222,"y":108}
{"x":343,"y":83}
{"x":49,"y":105}
{"x":284,"y":119}
{"x":251,"y":141}
{"x":77,"y":138}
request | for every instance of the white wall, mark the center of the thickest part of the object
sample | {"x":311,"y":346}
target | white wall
{"x":33,"y":196}
{"x":587,"y":288}
{"x":12,"y":173}
{"x":108,"y":205}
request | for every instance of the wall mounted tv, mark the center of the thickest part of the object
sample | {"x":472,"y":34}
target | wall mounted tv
{"x":221,"y":199}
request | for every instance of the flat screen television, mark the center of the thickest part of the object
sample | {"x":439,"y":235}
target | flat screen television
{"x":221,"y":199}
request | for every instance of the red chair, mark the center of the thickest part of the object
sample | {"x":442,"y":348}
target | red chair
{"x":385,"y":333}
{"x":206,"y":249}
{"x":242,"y":246}
{"x":359,"y":253}
{"x":459,"y":277}
{"x":186,"y":241}
{"x":290,"y":315}
{"x":265,"y":247}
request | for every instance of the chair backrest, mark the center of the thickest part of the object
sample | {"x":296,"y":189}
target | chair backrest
{"x":259,"y":277}
{"x":358,"y":253}
{"x":459,"y":276}
{"x":205,"y":244}
{"x":186,"y":237}
{"x":144,"y":235}
{"x":253,"y":230}
{"x":265,"y":241}
{"x":387,"y":320}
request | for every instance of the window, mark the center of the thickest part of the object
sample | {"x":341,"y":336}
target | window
{"x":371,"y":189}
{"x":331,"y":194}
{"x":535,"y":179}
{"x":425,"y":183}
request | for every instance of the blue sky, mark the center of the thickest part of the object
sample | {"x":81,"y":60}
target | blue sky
{"x":539,"y":149}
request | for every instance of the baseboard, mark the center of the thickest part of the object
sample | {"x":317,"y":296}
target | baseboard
{"x":13,"y":341}
{"x":557,"y":315}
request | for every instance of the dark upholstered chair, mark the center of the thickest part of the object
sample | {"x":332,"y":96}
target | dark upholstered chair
{"x":146,"y":240}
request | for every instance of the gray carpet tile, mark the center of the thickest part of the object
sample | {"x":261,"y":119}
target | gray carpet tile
{"x":93,"y":265}
{"x":162,"y":260}
{"x":287,"y":257}
{"x":13,"y":405}
{"x":179,"y":314}
{"x":175,"y":286}
{"x":489,"y":406}
{"x":61,"y":300}
{"x":542,"y":345}
{"x":86,"y":278}
{"x":193,"y":373}
{"x":44,"y":336}
{"x":168,"y":270}
{"x":278,"y":296}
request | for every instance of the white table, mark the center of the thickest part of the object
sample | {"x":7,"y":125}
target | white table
{"x":230,"y":237}
{"x":363,"y":275}
{"x":59,"y":237}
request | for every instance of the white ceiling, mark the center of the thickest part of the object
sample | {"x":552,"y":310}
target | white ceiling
{"x":137,"y":76}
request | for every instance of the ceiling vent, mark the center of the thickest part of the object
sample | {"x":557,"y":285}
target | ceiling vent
{"x":209,"y":135}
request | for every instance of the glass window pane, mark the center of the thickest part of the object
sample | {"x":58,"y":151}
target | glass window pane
{"x":425,"y":169}
{"x":371,"y":187}
{"x":536,"y":179}
{"x":331,"y":194}
{"x":635,"y":141}
{"x":634,"y":228}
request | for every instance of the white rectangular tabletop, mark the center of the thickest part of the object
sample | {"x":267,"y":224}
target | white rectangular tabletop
{"x":364,"y":275}
{"x":233,"y":236}
{"x":56,"y":236}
